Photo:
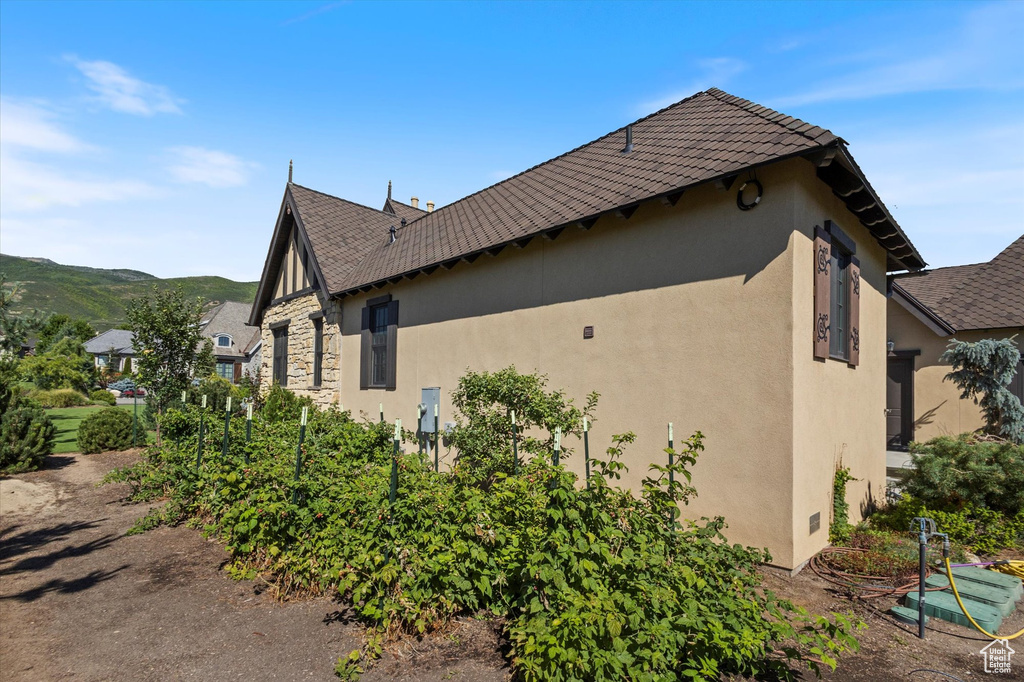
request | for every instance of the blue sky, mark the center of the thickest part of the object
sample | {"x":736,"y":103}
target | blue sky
{"x":157,"y":136}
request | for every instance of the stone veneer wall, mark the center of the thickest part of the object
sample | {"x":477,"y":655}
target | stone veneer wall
{"x":300,"y":347}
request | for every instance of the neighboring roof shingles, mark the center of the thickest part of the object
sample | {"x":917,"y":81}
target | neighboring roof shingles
{"x":120,"y":340}
{"x":230,"y":318}
{"x":982,"y":296}
{"x":707,"y":136}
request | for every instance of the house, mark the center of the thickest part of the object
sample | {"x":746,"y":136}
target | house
{"x":928,"y":309}
{"x":717,"y":264}
{"x":236,"y":345}
{"x":113,"y":349}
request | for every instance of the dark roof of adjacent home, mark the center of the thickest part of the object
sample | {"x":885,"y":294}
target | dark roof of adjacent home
{"x":981,"y":296}
{"x":711,"y":136}
{"x":121,"y":340}
{"x":231,"y":318}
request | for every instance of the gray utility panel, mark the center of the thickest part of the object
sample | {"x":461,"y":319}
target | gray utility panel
{"x":430,"y":398}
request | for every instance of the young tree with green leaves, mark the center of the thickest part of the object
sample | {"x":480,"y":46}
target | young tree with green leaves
{"x":58,"y":327}
{"x":14,"y":329}
{"x":169,"y":346}
{"x":982,"y":370}
{"x":64,"y":365}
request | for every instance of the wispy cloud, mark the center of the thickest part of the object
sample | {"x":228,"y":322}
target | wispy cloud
{"x":117,"y":89}
{"x":314,"y":12}
{"x":29,"y":186}
{"x":982,"y":53}
{"x":712,"y":72}
{"x":32,"y":126}
{"x":208,"y":167}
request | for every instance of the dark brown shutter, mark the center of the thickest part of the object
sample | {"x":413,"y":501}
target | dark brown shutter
{"x":392,"y":344}
{"x":853,"y":282}
{"x":365,"y":350}
{"x":822,"y":260}
{"x":237,"y":374}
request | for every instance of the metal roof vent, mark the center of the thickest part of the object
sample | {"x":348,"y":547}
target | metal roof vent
{"x":629,"y":139}
{"x":391,"y":235}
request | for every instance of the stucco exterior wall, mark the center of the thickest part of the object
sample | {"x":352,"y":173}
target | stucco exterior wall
{"x":694,"y":323}
{"x":938,"y":409}
{"x":300,"y":347}
{"x":839,"y":410}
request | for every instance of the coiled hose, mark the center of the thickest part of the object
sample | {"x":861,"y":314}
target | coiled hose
{"x":960,"y":603}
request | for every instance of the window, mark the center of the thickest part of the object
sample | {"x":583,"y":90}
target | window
{"x":226,"y":370}
{"x":318,"y":351}
{"x":379,"y":340}
{"x":223,"y":341}
{"x":839,"y":303}
{"x":101,"y":360}
{"x":280,"y":373}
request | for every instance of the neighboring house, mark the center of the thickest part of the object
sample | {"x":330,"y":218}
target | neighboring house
{"x":113,"y":348}
{"x":236,"y":345}
{"x":927,"y":310}
{"x":717,"y":264}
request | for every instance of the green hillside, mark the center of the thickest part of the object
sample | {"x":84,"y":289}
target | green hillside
{"x":98,"y":295}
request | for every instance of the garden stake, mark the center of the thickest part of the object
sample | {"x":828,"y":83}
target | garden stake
{"x":558,"y":445}
{"x":671,"y":476}
{"x":515,"y":446}
{"x":437,"y":442}
{"x":298,"y":455}
{"x":586,"y":450}
{"x":248,"y":429}
{"x":135,"y":418}
{"x":183,"y":396}
{"x":420,"y":411}
{"x":227,"y":422}
{"x":393,"y":492}
{"x":382,"y":413}
{"x":202,"y":434}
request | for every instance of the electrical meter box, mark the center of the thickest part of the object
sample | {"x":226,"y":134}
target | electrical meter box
{"x":430,"y":399}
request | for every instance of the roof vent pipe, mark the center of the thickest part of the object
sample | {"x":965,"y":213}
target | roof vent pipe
{"x":629,"y":139}
{"x":391,"y":235}
{"x":430,"y":207}
{"x":415,"y":201}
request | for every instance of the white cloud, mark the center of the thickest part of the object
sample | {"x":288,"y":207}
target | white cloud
{"x":982,"y":54}
{"x":30,"y":126}
{"x":209,"y":167}
{"x":115,"y":88}
{"x":714,"y":72}
{"x":29,"y":186}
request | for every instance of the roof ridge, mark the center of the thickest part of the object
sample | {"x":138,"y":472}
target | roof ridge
{"x":415,"y":208}
{"x":555,"y":158}
{"x":758,"y":110}
{"x":347,"y":201}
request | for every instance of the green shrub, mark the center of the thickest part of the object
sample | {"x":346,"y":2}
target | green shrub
{"x":102,"y":396}
{"x":982,"y":370}
{"x":108,"y":429}
{"x":26,"y":433}
{"x":282,"y":405}
{"x":592,"y":582}
{"x":964,"y":472}
{"x":979,"y":529}
{"x":58,"y":397}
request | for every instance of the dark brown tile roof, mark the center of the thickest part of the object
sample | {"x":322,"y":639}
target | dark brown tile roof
{"x":707,"y":136}
{"x":410,"y":213}
{"x":982,"y":296}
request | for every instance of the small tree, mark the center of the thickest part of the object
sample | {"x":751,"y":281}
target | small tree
{"x":59,"y":327}
{"x":64,"y":365}
{"x":14,"y":330}
{"x":169,"y":345}
{"x":982,"y":370}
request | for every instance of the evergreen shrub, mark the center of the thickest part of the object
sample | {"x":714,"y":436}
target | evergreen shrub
{"x":108,"y":429}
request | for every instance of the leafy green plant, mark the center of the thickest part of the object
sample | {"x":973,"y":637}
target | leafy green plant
{"x":281,"y":405}
{"x":26,"y":433}
{"x":966,"y":471}
{"x":592,"y":583}
{"x":483,"y":433}
{"x":108,"y":429}
{"x":979,"y":529}
{"x":102,"y":396}
{"x":64,"y":365}
{"x":60,"y":397}
{"x":982,"y":370}
{"x":840,"y":528}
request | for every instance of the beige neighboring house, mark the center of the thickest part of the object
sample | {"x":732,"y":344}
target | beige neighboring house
{"x":114,"y":348}
{"x":236,"y":344}
{"x":927,"y":310}
{"x":717,"y":265}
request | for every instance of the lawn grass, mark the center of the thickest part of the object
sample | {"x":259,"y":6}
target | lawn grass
{"x":67,"y":420}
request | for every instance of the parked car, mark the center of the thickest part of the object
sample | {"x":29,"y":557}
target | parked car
{"x":133,"y":392}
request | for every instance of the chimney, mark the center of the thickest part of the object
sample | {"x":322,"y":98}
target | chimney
{"x":415,"y":201}
{"x":629,"y":139}
{"x":430,"y":207}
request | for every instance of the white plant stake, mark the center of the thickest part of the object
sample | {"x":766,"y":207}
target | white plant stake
{"x":204,"y":402}
{"x":305,"y":414}
{"x":227,"y":405}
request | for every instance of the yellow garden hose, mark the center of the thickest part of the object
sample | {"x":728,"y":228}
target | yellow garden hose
{"x":949,"y":574}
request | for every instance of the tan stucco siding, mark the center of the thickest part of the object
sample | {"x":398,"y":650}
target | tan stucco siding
{"x":300,"y":347}
{"x":691,"y":307}
{"x":838,"y":410}
{"x":938,"y":408}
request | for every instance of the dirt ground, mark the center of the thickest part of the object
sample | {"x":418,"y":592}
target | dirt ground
{"x":81,"y":600}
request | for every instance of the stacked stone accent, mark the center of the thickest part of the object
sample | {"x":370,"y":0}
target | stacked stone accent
{"x":300,"y":347}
